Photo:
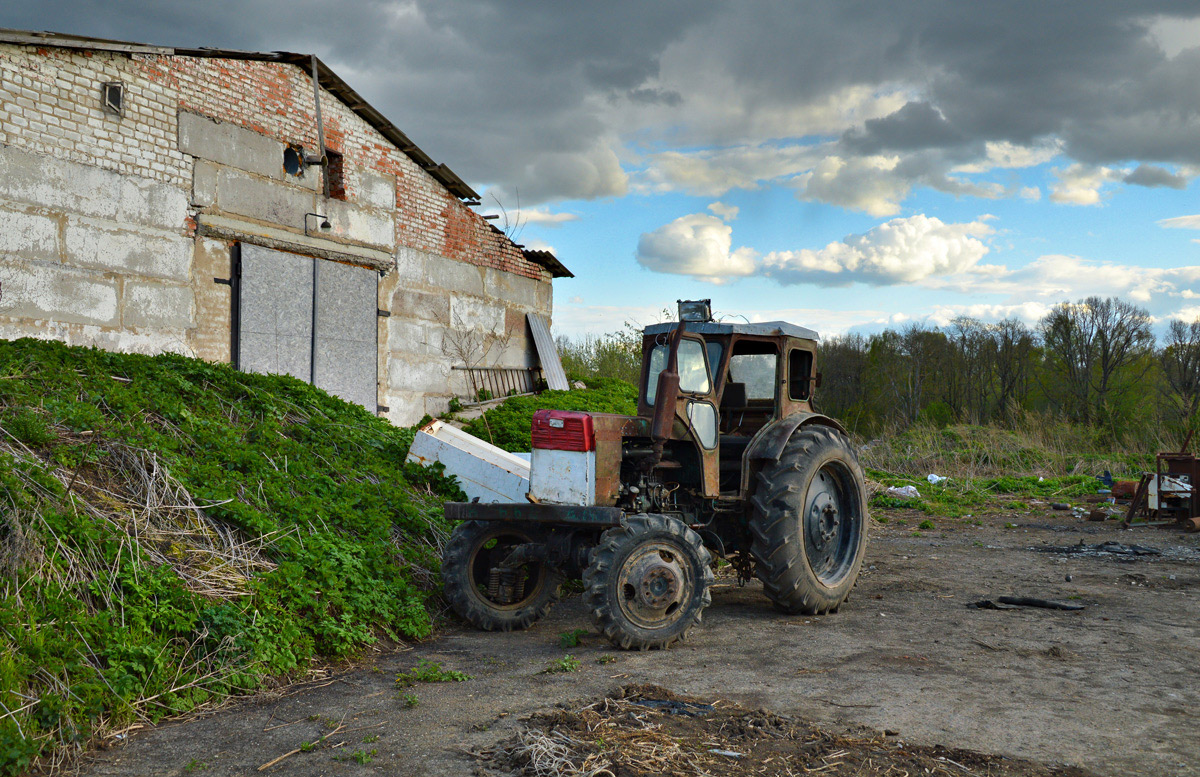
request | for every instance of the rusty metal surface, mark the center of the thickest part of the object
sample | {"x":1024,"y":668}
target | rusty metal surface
{"x":534,"y":513}
{"x":768,"y":444}
{"x":609,"y":430}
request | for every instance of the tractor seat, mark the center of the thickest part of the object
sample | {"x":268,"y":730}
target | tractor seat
{"x":733,"y":406}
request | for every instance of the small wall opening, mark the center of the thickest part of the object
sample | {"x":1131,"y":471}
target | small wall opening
{"x":335,"y":175}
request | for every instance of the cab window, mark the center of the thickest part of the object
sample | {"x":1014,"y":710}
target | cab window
{"x":693,"y":369}
{"x":800,"y":374}
{"x":753,"y":363}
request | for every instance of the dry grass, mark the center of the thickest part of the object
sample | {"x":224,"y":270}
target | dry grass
{"x":160,"y":521}
{"x":1032,"y":444}
{"x":621,"y":736}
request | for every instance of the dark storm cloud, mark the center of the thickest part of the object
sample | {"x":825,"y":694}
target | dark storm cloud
{"x":1153,"y":175}
{"x":915,"y":126}
{"x":538,"y":98}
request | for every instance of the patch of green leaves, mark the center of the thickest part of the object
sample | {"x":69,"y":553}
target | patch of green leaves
{"x":427,"y":671}
{"x":567,"y":663}
{"x":572,"y":638}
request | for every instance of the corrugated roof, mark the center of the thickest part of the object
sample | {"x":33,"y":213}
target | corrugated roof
{"x":328,"y":80}
{"x":767,"y":328}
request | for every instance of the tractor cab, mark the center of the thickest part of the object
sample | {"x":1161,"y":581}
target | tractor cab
{"x":735,"y":379}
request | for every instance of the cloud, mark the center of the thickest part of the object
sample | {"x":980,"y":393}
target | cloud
{"x":867,"y":184}
{"x":904,"y":250}
{"x":697,"y":245}
{"x":723,"y":211}
{"x":1030,"y":193}
{"x":781,"y":88}
{"x":1154,"y":176}
{"x":1181,"y":222}
{"x":542,"y":216}
{"x":1081,"y":184}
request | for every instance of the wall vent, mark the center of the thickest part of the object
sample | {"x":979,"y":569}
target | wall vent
{"x":112,"y":96}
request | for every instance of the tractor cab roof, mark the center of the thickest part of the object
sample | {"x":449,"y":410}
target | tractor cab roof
{"x":765,"y":329}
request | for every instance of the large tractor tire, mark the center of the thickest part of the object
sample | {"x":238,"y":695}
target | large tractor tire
{"x":647,"y":582}
{"x":809,"y":523}
{"x":487,"y":596}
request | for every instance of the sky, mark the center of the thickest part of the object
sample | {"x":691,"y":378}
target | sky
{"x":842,"y":165}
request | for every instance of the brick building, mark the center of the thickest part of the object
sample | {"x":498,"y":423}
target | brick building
{"x":156,"y":199}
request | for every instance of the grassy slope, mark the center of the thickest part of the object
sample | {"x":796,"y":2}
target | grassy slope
{"x":118,"y":604}
{"x":508,"y":425}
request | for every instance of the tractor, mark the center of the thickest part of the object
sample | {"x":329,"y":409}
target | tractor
{"x":725,"y":460}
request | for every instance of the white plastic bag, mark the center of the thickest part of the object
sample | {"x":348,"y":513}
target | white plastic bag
{"x":907,"y":492}
{"x":935,"y":479}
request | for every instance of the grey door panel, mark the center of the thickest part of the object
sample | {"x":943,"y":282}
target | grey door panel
{"x":275,"y":312}
{"x":347,"y":333}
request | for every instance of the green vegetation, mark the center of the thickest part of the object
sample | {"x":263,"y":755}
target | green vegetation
{"x":410,"y":699}
{"x":572,"y":638}
{"x":614,"y":355}
{"x":567,"y":663}
{"x":509,"y":424}
{"x":173,"y":531}
{"x":958,"y":498}
{"x":427,"y":671}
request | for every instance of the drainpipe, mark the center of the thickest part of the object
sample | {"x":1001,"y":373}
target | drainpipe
{"x":319,"y":159}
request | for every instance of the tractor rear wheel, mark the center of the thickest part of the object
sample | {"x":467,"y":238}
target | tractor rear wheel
{"x":647,"y":582}
{"x":488,"y":595}
{"x":809,"y":523}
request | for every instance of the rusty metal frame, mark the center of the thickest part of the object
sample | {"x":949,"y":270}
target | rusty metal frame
{"x":572,"y":515}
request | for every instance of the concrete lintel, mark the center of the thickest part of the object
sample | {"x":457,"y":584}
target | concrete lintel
{"x":252,"y":232}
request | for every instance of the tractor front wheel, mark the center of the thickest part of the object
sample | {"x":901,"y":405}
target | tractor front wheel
{"x":647,"y":582}
{"x":488,"y":593}
{"x":809,"y":523}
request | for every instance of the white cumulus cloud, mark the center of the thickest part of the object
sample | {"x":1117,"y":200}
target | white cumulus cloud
{"x":903,"y":250}
{"x":723,"y":211}
{"x":1080,"y":184}
{"x":698,"y":245}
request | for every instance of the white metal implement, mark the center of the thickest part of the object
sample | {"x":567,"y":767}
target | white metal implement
{"x":483,"y":470}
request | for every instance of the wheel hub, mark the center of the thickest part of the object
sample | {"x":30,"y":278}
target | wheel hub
{"x":660,"y":586}
{"x":653,"y":585}
{"x":824,"y":520}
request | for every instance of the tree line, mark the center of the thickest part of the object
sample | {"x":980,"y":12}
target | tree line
{"x":1095,"y":362}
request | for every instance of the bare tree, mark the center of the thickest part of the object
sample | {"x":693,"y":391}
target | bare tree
{"x":1090,"y":344}
{"x":1014,"y":345}
{"x":1180,"y":360}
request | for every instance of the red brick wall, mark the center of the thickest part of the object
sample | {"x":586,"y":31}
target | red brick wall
{"x":276,"y":99}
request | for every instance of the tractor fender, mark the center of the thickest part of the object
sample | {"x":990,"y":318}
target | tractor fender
{"x":769,"y":442}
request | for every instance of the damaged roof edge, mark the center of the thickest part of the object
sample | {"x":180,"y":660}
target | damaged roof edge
{"x":549,"y":261}
{"x":328,"y":80}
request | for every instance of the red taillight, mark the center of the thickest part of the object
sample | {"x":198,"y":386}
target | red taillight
{"x":563,"y":430}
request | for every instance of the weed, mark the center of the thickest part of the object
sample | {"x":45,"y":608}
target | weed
{"x":572,"y":638}
{"x":925,"y":525}
{"x":1010,"y":526}
{"x":427,"y":671}
{"x":306,"y":747}
{"x":370,"y":738}
{"x":410,"y":699}
{"x":567,"y":663}
{"x":606,"y":659}
{"x":195,"y":765}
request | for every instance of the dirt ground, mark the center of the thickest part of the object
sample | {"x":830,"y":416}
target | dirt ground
{"x":1112,"y":689}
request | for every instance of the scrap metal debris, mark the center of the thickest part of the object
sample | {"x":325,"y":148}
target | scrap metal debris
{"x":1017,"y":602}
{"x":1102,"y":550}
